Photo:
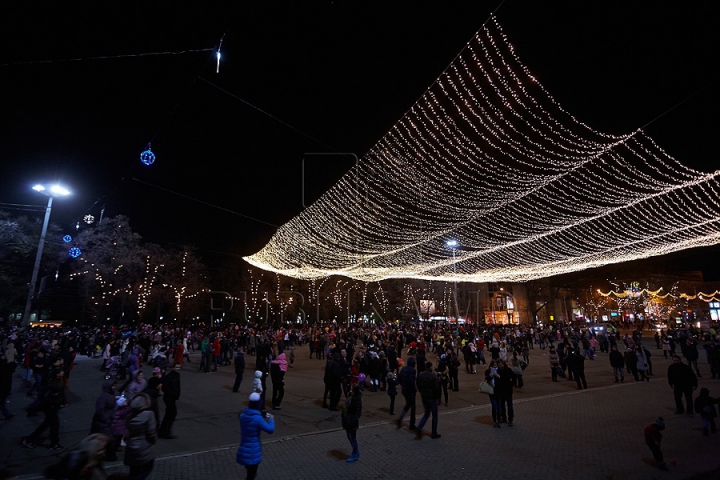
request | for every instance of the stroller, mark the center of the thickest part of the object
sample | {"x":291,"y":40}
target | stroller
{"x":112,"y":367}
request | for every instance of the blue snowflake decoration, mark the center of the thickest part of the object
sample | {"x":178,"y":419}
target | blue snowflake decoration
{"x":147,"y":157}
{"x":74,"y":252}
{"x":67,"y":239}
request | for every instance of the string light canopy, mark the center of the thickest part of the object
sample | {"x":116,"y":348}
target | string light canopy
{"x":487,"y":158}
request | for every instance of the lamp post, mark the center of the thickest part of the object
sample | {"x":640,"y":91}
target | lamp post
{"x":51,"y":192}
{"x":453,"y":244}
{"x":510,"y":311}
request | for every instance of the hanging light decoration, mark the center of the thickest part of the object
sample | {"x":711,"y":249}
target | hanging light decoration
{"x":147,"y":157}
{"x":528,"y":190}
{"x":67,"y":239}
{"x":74,"y":252}
{"x":88,"y":219}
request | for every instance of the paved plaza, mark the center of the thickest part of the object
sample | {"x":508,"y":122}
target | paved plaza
{"x":559,"y":432}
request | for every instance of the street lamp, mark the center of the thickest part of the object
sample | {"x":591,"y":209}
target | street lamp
{"x":51,"y":192}
{"x":452,"y":243}
{"x":510,"y":311}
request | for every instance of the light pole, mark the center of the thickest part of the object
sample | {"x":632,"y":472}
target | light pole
{"x":510,"y":311}
{"x":51,"y":192}
{"x":454,"y":244}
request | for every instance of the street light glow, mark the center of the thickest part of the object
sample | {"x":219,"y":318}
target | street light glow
{"x":451,"y":243}
{"x":58,"y":190}
{"x":55,"y":190}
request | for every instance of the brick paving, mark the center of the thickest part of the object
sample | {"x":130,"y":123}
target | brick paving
{"x":559,"y":432}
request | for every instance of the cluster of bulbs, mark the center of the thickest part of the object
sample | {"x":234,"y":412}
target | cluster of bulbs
{"x":706,"y":297}
{"x":488,"y":159}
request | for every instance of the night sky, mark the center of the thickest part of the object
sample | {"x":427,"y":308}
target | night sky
{"x":334,"y":75}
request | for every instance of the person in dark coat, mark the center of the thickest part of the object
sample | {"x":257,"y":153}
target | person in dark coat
{"x":683,"y":381}
{"x":334,"y":374}
{"x":631,"y":360}
{"x":428,"y":385}
{"x":141,"y":438}
{"x":153,"y":391}
{"x":577,"y":365}
{"x":252,"y":422}
{"x":691,"y":353}
{"x":617,"y":362}
{"x":351,"y":420}
{"x":392,"y":382}
{"x":407,"y":382}
{"x":171,"y":394}
{"x":50,"y":404}
{"x":705,"y":406}
{"x":444,"y":376}
{"x":103,"y":417}
{"x":239,"y":362}
{"x":6,"y":373}
{"x":504,"y":390}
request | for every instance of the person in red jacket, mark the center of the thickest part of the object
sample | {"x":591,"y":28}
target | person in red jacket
{"x":653,"y":437}
{"x":216,"y":347}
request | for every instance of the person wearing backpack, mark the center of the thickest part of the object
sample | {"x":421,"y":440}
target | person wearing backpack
{"x":443,"y":376}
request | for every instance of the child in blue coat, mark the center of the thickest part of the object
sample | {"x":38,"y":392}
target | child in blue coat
{"x":252,"y":422}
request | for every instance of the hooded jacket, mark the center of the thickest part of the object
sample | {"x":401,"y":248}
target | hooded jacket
{"x":407,"y":378}
{"x":137,"y":385}
{"x":104,"y":410}
{"x":142,"y":432}
{"x":252,"y":422}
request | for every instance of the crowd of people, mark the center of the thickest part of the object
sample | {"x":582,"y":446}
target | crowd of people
{"x":409,"y":360}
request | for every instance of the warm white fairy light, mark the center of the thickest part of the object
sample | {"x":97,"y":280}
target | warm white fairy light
{"x":488,"y":158}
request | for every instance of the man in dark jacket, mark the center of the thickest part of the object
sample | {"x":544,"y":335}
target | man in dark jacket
{"x":504,"y":390}
{"x":617,"y":362}
{"x":152,"y":390}
{"x":334,"y":375}
{"x":428,"y":385}
{"x":631,"y":360}
{"x":239,"y":361}
{"x":683,"y":381}
{"x":171,"y":394}
{"x":691,"y":353}
{"x":577,"y":365}
{"x":51,"y":402}
{"x":407,"y":382}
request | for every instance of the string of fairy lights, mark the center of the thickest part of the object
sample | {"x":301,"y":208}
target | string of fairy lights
{"x":655,"y":294}
{"x":108,"y":290}
{"x":488,"y":158}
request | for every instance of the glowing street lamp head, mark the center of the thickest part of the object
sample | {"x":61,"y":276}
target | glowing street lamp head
{"x":55,"y":190}
{"x":58,"y":190}
{"x":452,"y":243}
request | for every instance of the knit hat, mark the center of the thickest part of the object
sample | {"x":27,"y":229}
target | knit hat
{"x":660,"y":423}
{"x":254,"y":401}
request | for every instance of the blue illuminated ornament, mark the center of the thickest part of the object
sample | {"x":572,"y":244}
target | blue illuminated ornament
{"x":74,"y":252}
{"x":147,"y":157}
{"x":67,"y":239}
